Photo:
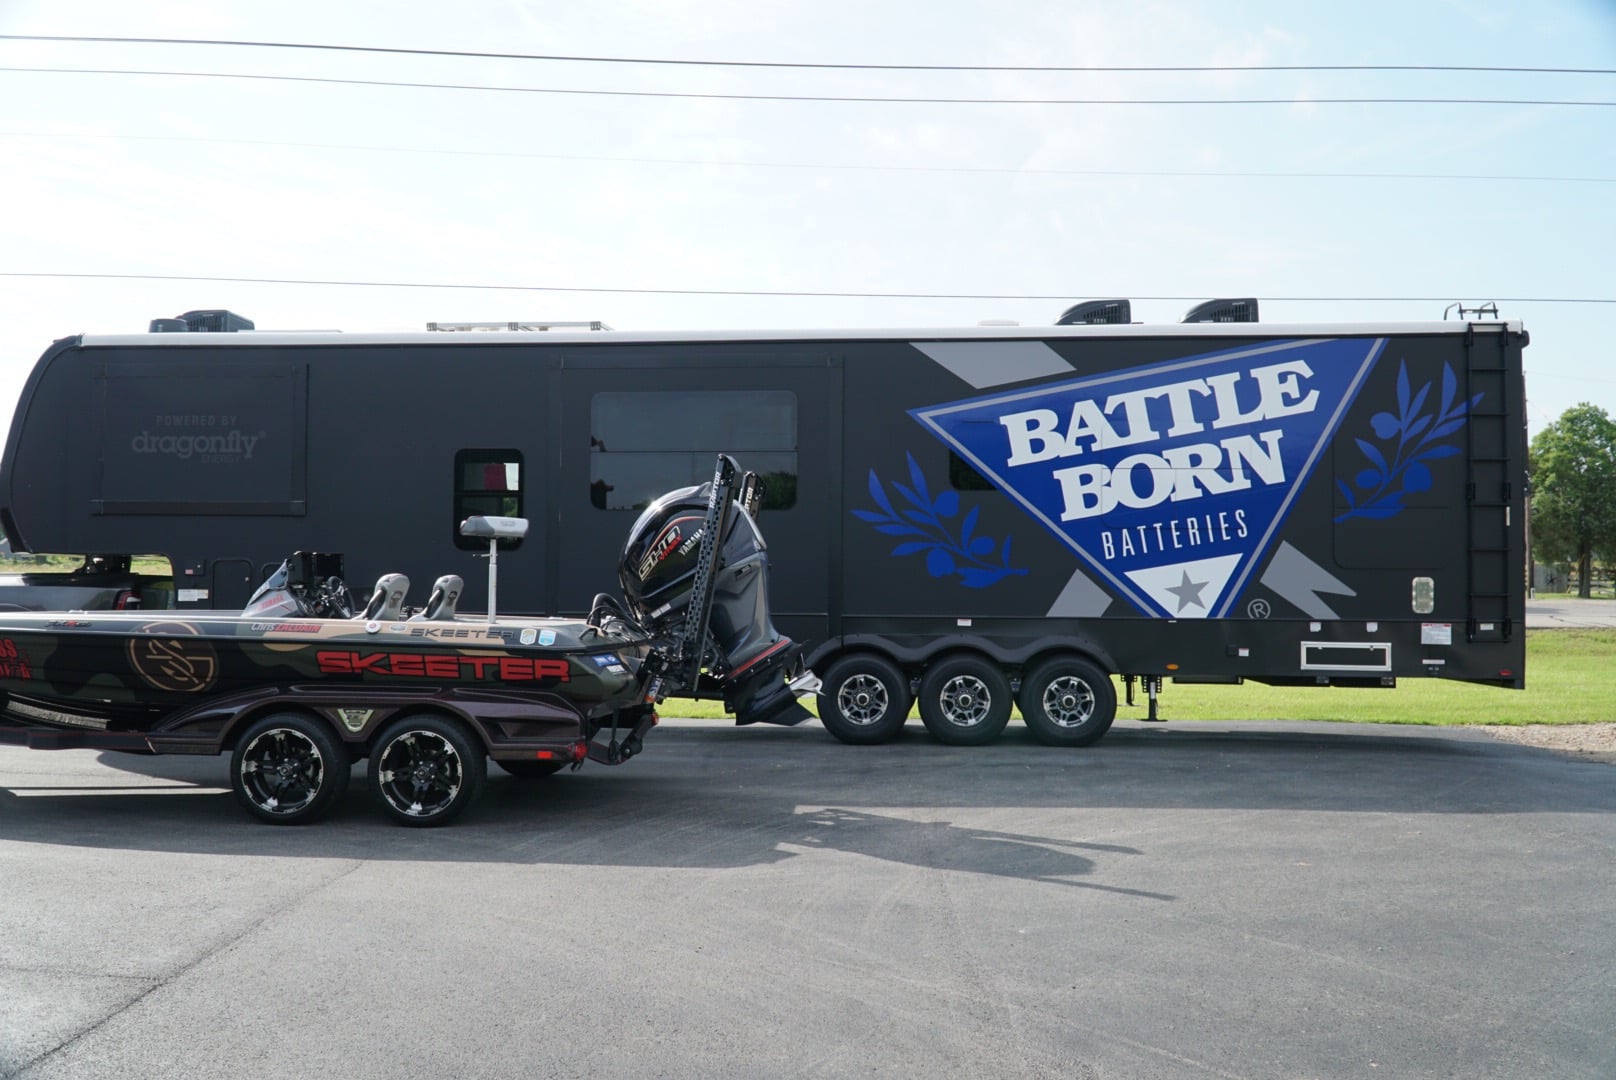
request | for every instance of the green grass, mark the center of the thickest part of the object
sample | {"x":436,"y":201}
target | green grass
{"x":66,"y":564}
{"x":1570,"y":674}
{"x":1570,"y":678}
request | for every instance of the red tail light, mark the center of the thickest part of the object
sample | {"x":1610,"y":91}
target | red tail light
{"x":127,"y":600}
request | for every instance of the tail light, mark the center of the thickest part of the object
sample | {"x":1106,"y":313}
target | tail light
{"x":127,"y":600}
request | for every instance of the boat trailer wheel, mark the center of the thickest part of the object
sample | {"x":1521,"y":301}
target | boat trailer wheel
{"x":288,"y":769}
{"x":425,"y":770}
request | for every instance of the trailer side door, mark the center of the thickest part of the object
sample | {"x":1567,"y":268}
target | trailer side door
{"x":638,"y":421}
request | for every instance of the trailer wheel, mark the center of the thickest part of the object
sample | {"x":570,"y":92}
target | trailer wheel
{"x":1067,"y":702}
{"x":864,"y":699}
{"x":289,"y":769}
{"x":531,"y":769}
{"x":426,"y":769}
{"x":964,"y":701}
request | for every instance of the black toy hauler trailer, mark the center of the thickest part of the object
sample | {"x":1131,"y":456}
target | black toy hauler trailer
{"x":973,"y":515}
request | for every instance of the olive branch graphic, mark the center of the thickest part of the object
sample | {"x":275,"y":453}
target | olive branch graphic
{"x":1408,"y":440}
{"x":965,"y":553}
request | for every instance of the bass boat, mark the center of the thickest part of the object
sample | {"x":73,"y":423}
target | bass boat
{"x":304,"y":682}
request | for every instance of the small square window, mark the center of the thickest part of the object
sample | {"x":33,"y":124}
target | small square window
{"x":487,"y":483}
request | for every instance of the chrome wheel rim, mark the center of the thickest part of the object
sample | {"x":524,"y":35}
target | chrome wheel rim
{"x":1068,"y":701}
{"x":282,"y":771}
{"x":863,"y":700}
{"x":420,"y":773}
{"x":964,"y":701}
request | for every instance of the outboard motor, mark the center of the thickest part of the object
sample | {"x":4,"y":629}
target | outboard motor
{"x":672,"y":567}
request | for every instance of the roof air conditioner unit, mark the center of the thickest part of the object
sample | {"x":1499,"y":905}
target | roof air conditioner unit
{"x":1096,"y":312}
{"x":1244,"y":310}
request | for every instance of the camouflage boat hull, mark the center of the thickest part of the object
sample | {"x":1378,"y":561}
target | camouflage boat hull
{"x":166,"y":684}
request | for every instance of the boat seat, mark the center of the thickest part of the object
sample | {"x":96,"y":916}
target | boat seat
{"x":441,"y":604}
{"x":387,"y":602}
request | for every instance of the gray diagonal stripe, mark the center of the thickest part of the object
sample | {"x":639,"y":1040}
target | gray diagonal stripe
{"x":1300,"y":580}
{"x":1081,"y":598}
{"x":994,"y":363}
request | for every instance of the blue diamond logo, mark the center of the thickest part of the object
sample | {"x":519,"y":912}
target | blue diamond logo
{"x":1172,"y":480}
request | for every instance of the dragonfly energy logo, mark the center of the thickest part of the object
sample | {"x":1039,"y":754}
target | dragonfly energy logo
{"x":215,"y":446}
{"x":211,"y":437}
{"x":1169,"y":480}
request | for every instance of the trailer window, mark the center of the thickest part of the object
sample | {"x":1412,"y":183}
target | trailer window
{"x":962,"y":477}
{"x":486,"y":482}
{"x":642,"y":444}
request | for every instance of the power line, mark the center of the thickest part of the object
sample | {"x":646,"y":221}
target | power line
{"x":840,"y":167}
{"x":817,"y":98}
{"x":808,"y":65}
{"x":779,"y":293}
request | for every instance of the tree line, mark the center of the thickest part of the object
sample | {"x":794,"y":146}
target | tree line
{"x":1573,"y":494}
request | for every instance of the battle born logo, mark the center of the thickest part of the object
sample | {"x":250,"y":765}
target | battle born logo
{"x":1169,"y":481}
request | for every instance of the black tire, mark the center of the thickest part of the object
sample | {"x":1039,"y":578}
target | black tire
{"x":426,"y":769}
{"x":289,"y":769}
{"x":531,"y":768}
{"x":864,"y":699}
{"x":1067,"y":701}
{"x":964,"y":701}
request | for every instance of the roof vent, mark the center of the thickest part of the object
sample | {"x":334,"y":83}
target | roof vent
{"x":1244,"y":310}
{"x":1096,"y":312}
{"x":215,"y":321}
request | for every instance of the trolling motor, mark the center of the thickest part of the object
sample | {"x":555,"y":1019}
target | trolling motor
{"x":695,"y":568}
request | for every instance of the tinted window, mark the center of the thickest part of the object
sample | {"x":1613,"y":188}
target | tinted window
{"x":962,"y":477}
{"x":643,"y":444}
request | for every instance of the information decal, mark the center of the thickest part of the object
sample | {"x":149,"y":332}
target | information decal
{"x":1170,"y":481}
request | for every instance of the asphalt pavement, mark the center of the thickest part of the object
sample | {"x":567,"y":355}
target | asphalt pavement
{"x":1547,"y":614}
{"x":1182,"y":900}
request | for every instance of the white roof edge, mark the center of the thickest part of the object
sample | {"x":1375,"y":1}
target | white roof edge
{"x":956,"y":333}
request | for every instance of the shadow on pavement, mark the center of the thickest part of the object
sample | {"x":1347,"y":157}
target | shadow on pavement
{"x":713,"y":797}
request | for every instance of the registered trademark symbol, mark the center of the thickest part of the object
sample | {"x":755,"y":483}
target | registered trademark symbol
{"x":1258,"y":609}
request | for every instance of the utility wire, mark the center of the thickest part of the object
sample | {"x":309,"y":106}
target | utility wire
{"x":840,"y":167}
{"x":818,"y":98}
{"x":824,"y":294}
{"x":1111,"y":68}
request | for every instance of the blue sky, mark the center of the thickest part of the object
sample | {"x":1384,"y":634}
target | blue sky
{"x":234,"y":178}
